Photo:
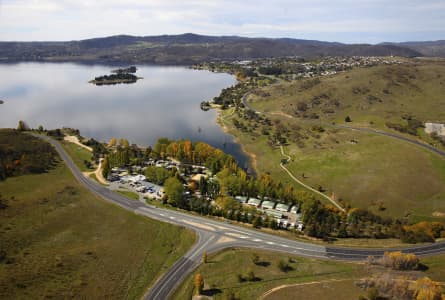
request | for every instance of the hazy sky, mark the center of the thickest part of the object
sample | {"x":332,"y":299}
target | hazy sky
{"x":369,"y":21}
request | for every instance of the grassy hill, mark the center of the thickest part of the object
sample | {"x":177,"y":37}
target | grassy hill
{"x":57,"y":240}
{"x":185,"y":49}
{"x":365,"y":170}
{"x":379,"y":94}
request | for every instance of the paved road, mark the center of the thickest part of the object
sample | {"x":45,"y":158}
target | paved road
{"x":214,"y":235}
{"x":396,"y":136}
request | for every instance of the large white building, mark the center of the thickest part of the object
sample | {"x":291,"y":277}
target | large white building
{"x":435,"y":127}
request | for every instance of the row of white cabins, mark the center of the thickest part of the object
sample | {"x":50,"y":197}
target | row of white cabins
{"x":285,"y":215}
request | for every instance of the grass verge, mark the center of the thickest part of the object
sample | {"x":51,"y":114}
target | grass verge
{"x":129,"y":194}
{"x":78,"y":155}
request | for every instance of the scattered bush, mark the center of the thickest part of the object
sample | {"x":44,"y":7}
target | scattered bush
{"x":400,"y":261}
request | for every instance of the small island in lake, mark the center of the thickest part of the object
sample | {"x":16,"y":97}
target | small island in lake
{"x":120,"y":76}
{"x":1,"y":101}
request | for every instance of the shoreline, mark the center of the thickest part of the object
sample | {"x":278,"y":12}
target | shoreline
{"x":225,"y":129}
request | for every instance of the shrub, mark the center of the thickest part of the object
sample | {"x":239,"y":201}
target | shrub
{"x":400,"y":261}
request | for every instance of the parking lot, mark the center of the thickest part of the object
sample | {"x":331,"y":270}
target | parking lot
{"x":143,"y":188}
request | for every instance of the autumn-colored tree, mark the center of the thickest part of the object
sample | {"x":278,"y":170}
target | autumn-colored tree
{"x":199,"y":283}
{"x":426,"y":289}
{"x":193,"y":185}
{"x":394,"y":286}
{"x":204,"y":257}
{"x":400,"y":261}
{"x":423,"y":232}
{"x":124,"y":143}
{"x":188,"y":150}
{"x":112,"y":142}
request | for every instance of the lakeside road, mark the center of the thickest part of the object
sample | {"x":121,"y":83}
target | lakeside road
{"x":214,"y":235}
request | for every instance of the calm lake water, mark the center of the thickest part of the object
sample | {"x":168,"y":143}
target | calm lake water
{"x":163,"y":104}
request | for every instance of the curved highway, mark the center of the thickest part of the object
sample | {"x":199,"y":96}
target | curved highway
{"x":214,"y":235}
{"x":395,"y":136}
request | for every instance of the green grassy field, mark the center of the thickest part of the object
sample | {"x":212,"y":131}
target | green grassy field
{"x":129,"y":194}
{"x":376,"y":172}
{"x":365,"y":170}
{"x":436,"y":270}
{"x":220,"y":273}
{"x":78,"y":155}
{"x":60,"y":241}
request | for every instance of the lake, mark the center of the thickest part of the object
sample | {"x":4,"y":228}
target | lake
{"x":163,"y":104}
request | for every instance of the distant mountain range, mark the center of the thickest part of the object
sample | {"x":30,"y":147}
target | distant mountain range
{"x":187,"y":49}
{"x":432,"y":48}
